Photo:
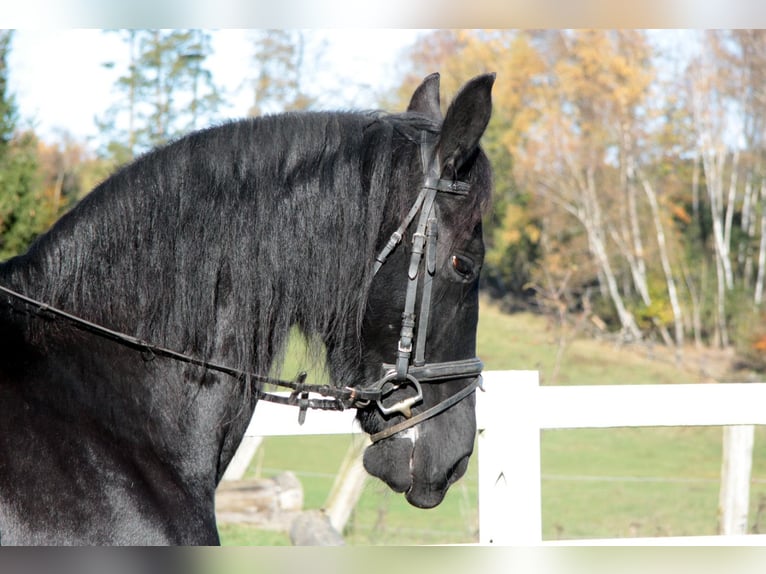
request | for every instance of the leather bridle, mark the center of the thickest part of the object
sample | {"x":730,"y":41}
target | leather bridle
{"x":406,"y":372}
{"x":409,"y":371}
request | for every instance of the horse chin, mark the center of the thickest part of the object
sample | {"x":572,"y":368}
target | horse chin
{"x":427,"y":494}
{"x":396,"y":462}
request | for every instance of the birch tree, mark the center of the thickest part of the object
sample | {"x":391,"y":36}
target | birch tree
{"x":727,"y":107}
{"x":632,"y":178}
{"x":747,"y":58}
{"x":667,"y":268}
{"x":583,"y":146}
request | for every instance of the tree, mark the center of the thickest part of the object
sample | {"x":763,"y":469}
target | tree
{"x":513,"y":228}
{"x":280,"y":60}
{"x":23,"y":213}
{"x":629,"y":173}
{"x":165,"y":92}
{"x":744,"y":57}
{"x":728,"y":120}
{"x":68,"y":170}
{"x":585,"y":138}
{"x":8,"y":113}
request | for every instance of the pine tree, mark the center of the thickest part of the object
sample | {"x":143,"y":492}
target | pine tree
{"x":165,"y":92}
{"x":23,"y":215}
{"x":280,"y":56}
{"x":7,"y":106}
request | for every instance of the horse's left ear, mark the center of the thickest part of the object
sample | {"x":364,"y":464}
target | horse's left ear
{"x":425,"y":99}
{"x":464,"y":124}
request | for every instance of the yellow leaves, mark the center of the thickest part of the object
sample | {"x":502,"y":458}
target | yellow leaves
{"x":680,"y":213}
{"x":515,"y":215}
{"x":514,"y":235}
{"x":760,"y":344}
{"x":594,"y":80}
{"x":533,"y":232}
{"x":517,"y":227}
{"x":604,"y":70}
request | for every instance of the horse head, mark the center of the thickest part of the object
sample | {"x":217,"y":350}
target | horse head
{"x":422,"y":311}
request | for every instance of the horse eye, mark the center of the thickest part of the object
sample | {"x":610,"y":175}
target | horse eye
{"x":462,"y":265}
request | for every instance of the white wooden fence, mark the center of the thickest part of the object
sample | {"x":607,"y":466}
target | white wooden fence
{"x":514,"y":409}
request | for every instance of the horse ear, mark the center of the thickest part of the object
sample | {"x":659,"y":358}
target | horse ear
{"x":465,"y":122}
{"x":426,"y":98}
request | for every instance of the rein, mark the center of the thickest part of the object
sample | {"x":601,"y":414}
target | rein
{"x":404,"y":373}
{"x":341,"y":398}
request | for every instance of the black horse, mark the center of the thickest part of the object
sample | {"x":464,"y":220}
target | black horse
{"x":214,"y":247}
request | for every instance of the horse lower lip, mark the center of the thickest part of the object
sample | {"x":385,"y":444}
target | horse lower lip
{"x":389,"y":460}
{"x":424,"y":499}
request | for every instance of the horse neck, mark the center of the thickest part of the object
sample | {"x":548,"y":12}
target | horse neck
{"x":219,"y":261}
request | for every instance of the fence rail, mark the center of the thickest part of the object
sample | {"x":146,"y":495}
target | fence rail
{"x":514,"y":409}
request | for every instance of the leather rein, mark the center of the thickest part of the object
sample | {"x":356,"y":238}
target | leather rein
{"x":406,"y":372}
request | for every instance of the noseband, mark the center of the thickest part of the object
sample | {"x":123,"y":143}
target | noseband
{"x":407,"y":371}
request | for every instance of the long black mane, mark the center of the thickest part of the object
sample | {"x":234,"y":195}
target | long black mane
{"x":227,"y":235}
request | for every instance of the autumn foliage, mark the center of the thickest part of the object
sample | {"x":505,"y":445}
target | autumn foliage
{"x":629,"y":170}
{"x":629,"y":167}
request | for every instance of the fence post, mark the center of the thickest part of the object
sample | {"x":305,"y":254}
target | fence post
{"x":348,"y":485}
{"x":509,"y":459}
{"x":241,"y":459}
{"x":736,"y":465}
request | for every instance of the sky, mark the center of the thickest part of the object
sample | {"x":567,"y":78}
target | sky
{"x":56,"y":64}
{"x":60,"y":82}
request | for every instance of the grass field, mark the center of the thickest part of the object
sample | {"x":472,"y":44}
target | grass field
{"x":596,"y":483}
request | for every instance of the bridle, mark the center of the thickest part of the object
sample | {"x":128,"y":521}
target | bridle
{"x":407,"y":371}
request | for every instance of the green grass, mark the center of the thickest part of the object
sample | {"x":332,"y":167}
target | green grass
{"x":629,"y":500}
{"x":525,"y":341}
{"x":381,"y":516}
{"x":596,"y":482}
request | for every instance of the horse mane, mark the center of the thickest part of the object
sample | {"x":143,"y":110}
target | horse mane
{"x":218,"y":243}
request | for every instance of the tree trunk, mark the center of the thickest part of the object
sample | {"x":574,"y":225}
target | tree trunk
{"x":730,"y":204}
{"x":630,"y":242}
{"x":713,"y":168}
{"x":665,"y":260}
{"x":627,"y":320}
{"x":696,"y":306}
{"x":745,"y":253}
{"x":721,"y":329}
{"x":594,"y":227}
{"x":758,"y":291}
